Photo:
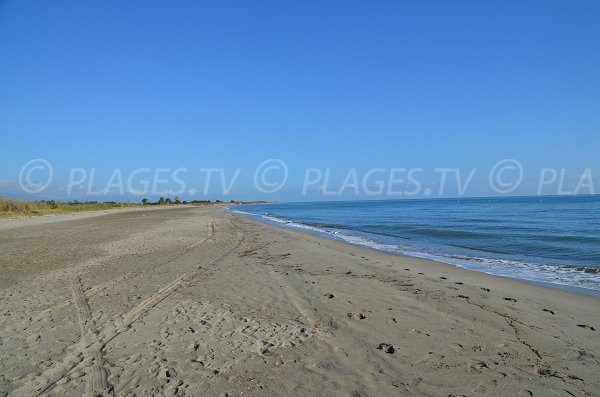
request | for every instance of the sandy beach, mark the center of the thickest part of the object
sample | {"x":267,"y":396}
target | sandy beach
{"x":199,"y":301}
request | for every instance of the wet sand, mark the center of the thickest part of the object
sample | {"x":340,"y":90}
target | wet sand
{"x":197,"y":301}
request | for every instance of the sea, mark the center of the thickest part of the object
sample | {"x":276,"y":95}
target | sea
{"x":548,"y":240}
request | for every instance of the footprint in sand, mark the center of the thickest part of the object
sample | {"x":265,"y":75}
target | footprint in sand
{"x":329,"y":295}
{"x":477,"y":367}
{"x":586,"y":326}
{"x":548,"y":311}
{"x":510,"y":299}
{"x":485,"y":289}
{"x":457,"y":347}
{"x":166,"y":373}
{"x":356,"y":315}
{"x":262,"y":347}
{"x":386,"y":347}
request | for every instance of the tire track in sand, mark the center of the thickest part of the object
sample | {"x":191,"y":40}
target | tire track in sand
{"x":44,"y":314}
{"x":82,"y":353}
{"x":96,"y":379}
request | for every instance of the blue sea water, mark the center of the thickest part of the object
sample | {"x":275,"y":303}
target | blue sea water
{"x":552,"y":240}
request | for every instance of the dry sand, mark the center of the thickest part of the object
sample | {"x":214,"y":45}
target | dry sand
{"x":197,"y":301}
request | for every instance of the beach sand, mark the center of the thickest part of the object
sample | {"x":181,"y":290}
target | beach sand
{"x":198,"y":301}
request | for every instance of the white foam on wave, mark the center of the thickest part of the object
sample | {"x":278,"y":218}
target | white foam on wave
{"x":337,"y":233}
{"x":357,"y":240}
{"x":237,"y":211}
{"x":535,"y":272}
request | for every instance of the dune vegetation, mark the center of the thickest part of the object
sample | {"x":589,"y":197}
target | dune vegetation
{"x":12,"y":208}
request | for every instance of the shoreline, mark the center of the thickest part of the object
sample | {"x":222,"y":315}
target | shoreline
{"x":442,"y":267}
{"x":205,"y":301}
{"x":325,"y":235}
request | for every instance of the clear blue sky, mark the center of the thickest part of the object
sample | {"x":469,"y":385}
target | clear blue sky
{"x":338,"y":84}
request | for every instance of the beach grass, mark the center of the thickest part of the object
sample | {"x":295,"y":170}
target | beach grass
{"x":13,"y":208}
{"x":10,"y":208}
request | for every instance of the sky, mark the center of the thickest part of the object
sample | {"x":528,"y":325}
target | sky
{"x":305,"y":89}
